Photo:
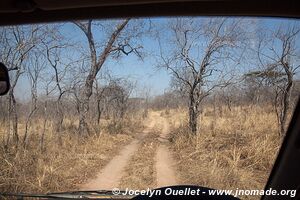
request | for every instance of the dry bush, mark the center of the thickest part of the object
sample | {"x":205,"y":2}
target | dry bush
{"x":125,"y":126}
{"x":234,"y":151}
{"x":130,"y":124}
{"x":59,"y":167}
{"x":140,"y":172}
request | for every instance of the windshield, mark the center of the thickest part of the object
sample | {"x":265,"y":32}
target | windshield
{"x":144,"y":103}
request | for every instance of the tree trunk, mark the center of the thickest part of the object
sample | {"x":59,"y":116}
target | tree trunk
{"x":285,"y":107}
{"x":59,"y":121}
{"x":60,"y":116}
{"x":193,"y":115}
{"x":13,"y":117}
{"x":83,"y":112}
{"x":28,"y":120}
{"x":99,"y":112}
{"x":44,"y":126}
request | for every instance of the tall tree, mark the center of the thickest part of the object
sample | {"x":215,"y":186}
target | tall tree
{"x":53,"y":54}
{"x":277,"y":55}
{"x":115,"y":45}
{"x":34,"y":69}
{"x":197,"y":58}
{"x":17,"y":43}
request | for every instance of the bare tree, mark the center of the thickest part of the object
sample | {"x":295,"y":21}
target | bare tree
{"x":278,"y":58}
{"x":97,"y":60}
{"x":45,"y":114}
{"x":119,"y":91}
{"x":34,"y":69}
{"x":146,"y":96}
{"x":16,"y":44}
{"x":53,"y":56}
{"x":113,"y":98}
{"x":201,"y":49}
{"x":100,"y":91}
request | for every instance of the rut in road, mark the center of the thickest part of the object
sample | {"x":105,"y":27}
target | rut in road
{"x":165,"y":167}
{"x":110,"y":176}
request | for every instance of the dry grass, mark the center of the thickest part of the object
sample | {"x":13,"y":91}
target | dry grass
{"x":60,"y":167}
{"x":140,"y":172}
{"x":234,"y":149}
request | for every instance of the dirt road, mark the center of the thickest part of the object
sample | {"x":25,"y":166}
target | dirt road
{"x":111,"y":175}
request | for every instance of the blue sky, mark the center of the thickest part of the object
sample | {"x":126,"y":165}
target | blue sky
{"x":144,"y":73}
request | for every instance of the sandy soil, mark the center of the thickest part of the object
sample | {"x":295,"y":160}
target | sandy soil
{"x":112,"y":173}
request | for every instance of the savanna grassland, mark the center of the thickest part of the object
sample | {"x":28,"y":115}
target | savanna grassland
{"x":234,"y":149}
{"x":64,"y":163}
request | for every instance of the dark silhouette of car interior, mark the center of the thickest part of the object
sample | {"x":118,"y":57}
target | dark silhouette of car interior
{"x":286,"y":170}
